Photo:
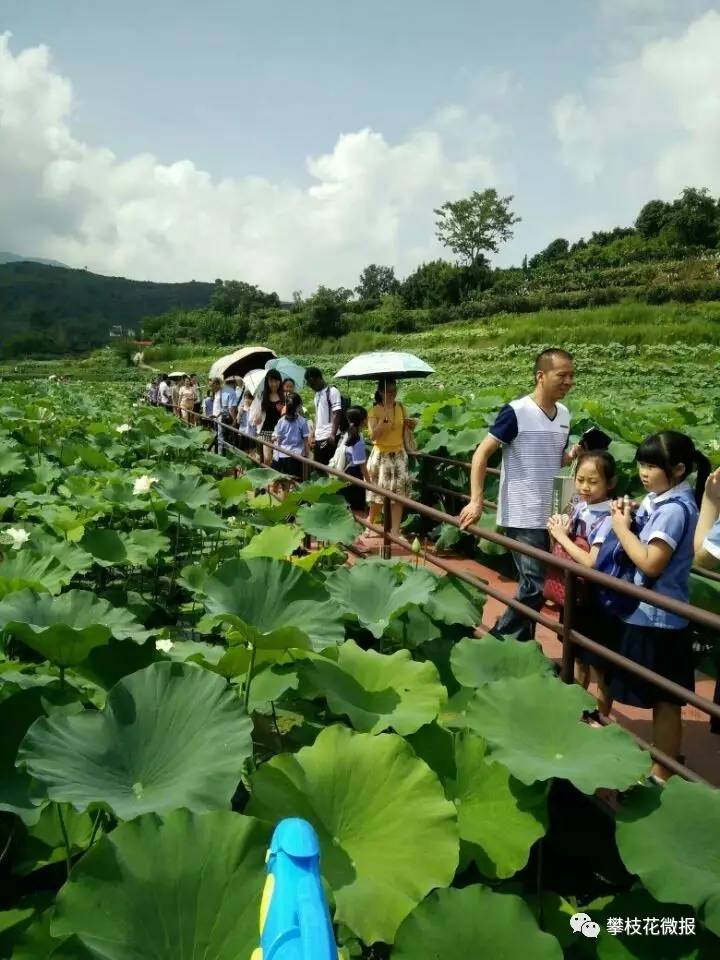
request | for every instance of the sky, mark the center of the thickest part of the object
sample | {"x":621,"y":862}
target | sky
{"x":293,"y":142}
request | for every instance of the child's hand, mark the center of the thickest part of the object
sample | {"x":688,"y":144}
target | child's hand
{"x":712,"y":488}
{"x":559,"y":527}
{"x":621,"y":514}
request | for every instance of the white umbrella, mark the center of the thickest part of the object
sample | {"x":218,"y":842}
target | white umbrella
{"x":384,"y":364}
{"x":240,"y":362}
{"x":253,"y":380}
{"x":176,"y":374}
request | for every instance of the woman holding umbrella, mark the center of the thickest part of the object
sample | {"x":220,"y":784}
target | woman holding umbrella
{"x":390,"y":430}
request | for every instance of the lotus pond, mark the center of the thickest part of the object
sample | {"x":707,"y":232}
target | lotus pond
{"x":185,"y":660}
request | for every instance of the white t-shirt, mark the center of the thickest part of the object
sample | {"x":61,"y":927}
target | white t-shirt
{"x":164,"y":392}
{"x":327,"y":402}
{"x":532,"y":453}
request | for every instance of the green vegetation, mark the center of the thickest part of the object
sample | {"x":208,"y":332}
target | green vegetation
{"x":177,"y":673}
{"x":54,"y":310}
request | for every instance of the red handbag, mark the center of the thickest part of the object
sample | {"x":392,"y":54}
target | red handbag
{"x":554,"y":588}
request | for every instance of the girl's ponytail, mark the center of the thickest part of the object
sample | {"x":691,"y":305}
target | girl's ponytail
{"x":704,"y":469}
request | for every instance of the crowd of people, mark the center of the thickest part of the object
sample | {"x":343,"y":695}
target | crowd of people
{"x":333,"y":436}
{"x":651,"y":544}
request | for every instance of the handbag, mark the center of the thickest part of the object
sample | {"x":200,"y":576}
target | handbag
{"x":554,"y":588}
{"x":338,"y":461}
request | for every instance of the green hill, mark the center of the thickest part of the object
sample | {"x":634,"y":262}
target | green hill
{"x":54,"y":310}
{"x":7,"y":257}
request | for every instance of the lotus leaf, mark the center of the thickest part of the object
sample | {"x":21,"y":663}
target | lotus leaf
{"x":171,"y":735}
{"x":272,"y":603}
{"x":377,"y":692}
{"x":358,"y":791}
{"x":456,"y":602}
{"x":161,"y":889}
{"x":669,"y":838}
{"x":110,"y":548}
{"x":500,"y":816}
{"x":185,"y":489}
{"x":261,"y":477}
{"x":43,"y":843}
{"x":329,"y":520}
{"x":374,"y":593}
{"x":11,"y":462}
{"x":473,"y":922}
{"x":479,"y":660}
{"x":533,"y":727}
{"x":232,"y":490}
{"x":65,"y":629}
{"x":29,"y":569}
{"x":278,"y":542}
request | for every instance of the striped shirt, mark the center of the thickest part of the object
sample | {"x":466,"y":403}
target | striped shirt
{"x":533,"y":446}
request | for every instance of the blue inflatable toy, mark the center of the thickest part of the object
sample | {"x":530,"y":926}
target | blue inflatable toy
{"x":294,"y":918}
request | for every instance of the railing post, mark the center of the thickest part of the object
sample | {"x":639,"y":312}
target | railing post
{"x":387,"y":527}
{"x":567,"y":673}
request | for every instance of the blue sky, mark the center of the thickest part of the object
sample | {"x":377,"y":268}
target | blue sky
{"x":291,"y":143}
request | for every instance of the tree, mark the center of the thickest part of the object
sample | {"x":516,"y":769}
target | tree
{"x":696,"y":218}
{"x":557,"y":250}
{"x":323,"y":313}
{"x":653,"y":218}
{"x":235,"y":296}
{"x":376,"y":282}
{"x":434,"y":284}
{"x":476,"y":224}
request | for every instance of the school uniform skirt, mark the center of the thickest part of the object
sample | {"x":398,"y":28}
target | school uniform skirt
{"x":288,"y":466}
{"x":592,"y":621}
{"x":354,"y":495}
{"x":667,"y":652}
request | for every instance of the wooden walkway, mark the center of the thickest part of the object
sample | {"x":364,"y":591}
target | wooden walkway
{"x":700,"y":746}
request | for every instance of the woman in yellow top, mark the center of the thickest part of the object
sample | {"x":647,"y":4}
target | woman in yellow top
{"x":387,"y":466}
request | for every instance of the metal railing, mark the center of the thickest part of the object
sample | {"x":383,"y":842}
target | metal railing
{"x":565,"y":631}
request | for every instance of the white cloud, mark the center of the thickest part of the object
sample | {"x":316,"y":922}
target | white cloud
{"x":369,"y":200}
{"x":650,"y":124}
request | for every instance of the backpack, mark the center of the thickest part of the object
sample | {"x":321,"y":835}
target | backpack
{"x":344,"y":407}
{"x":613,"y":561}
{"x":554,"y":588}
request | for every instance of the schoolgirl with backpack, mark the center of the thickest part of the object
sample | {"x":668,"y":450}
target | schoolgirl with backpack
{"x":579,"y":537}
{"x":653,"y":547}
{"x":351,"y":457}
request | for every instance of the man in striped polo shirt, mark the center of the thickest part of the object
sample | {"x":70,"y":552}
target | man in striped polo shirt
{"x":533,"y":433}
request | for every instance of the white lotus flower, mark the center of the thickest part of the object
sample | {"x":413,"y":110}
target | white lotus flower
{"x":143,"y":484}
{"x":17,"y":537}
{"x":165,"y":646}
{"x":123,"y":428}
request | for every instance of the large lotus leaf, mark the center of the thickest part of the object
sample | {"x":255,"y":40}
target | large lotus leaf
{"x":671,"y":840}
{"x":479,"y":660}
{"x":374,"y":592}
{"x":500,"y":816}
{"x":329,"y":520}
{"x":313,"y":490}
{"x":533,"y":727}
{"x":162,"y":889}
{"x":42,"y":572}
{"x":279,"y":541}
{"x":261,"y":477}
{"x":272,"y":603}
{"x":377,"y":692}
{"x":412,"y":628}
{"x":188,"y":490}
{"x":65,"y":629}
{"x":232,"y":490}
{"x":473,"y":922}
{"x":43,"y":843}
{"x":108,"y":664}
{"x":387,"y":833}
{"x":456,"y":602}
{"x":171,"y":735}
{"x":113,"y":548}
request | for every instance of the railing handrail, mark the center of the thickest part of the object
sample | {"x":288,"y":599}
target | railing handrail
{"x":679,"y":607}
{"x":565,"y":631}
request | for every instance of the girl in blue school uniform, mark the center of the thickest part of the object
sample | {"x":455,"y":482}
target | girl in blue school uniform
{"x":595,"y":481}
{"x":291,"y":432}
{"x":355,"y":457}
{"x":707,"y":548}
{"x":662,"y":552}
